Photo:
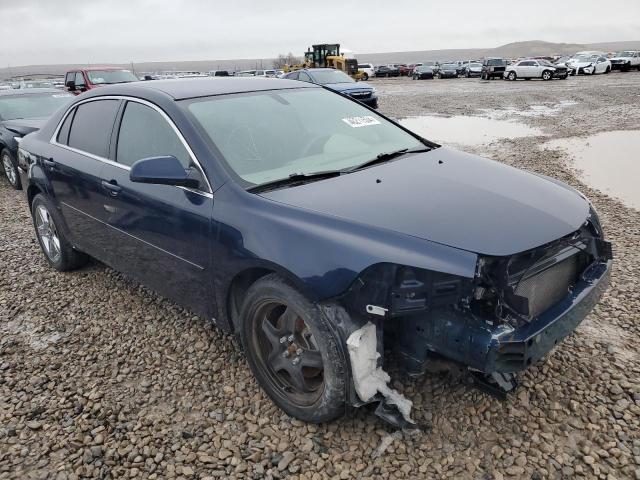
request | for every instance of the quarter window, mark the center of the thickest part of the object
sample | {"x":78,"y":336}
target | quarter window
{"x":92,"y":126}
{"x":63,"y":134}
{"x":145,"y":133}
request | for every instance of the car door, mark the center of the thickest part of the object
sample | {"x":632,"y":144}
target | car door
{"x":535,"y":70}
{"x":80,"y":148}
{"x":158,"y":234}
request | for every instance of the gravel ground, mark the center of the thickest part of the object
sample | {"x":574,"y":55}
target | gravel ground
{"x":101,"y":378}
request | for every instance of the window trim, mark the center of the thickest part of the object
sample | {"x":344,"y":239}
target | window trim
{"x":54,"y":138}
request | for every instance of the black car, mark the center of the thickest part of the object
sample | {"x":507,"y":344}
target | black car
{"x":422,"y":72}
{"x":338,"y":81}
{"x":387,"y":71}
{"x":23,"y":111}
{"x":493,"y":68}
{"x":319,"y":231}
{"x":448,"y":70}
{"x":472,"y":69}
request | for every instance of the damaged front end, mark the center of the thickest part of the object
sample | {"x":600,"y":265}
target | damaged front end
{"x":507,"y":317}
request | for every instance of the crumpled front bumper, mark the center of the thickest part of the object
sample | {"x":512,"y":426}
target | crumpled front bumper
{"x":516,"y":350}
{"x":500,"y":348}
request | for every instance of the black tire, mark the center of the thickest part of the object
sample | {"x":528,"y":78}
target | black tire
{"x":365,"y":76}
{"x":512,"y":76}
{"x":274,"y":309}
{"x":564,"y":77}
{"x":608,"y":70}
{"x":547,"y":75}
{"x":59,"y":253}
{"x":9,"y":166}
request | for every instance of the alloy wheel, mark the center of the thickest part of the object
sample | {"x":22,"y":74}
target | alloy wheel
{"x":48,"y":233}
{"x":9,"y":170}
{"x":288,"y":352}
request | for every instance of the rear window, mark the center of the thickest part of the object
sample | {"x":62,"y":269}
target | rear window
{"x":496,"y":62}
{"x":92,"y":126}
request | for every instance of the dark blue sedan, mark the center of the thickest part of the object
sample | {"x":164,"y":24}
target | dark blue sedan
{"x":319,"y":231}
{"x":337,"y":81}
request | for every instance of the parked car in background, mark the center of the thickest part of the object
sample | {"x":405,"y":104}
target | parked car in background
{"x":218,"y":73}
{"x":339,"y":82}
{"x":448,"y":70}
{"x":472,"y":69}
{"x":367,"y":69}
{"x":386,"y":71}
{"x":246,"y":73}
{"x":531,"y":68}
{"x":406,"y":70}
{"x":625,"y":60}
{"x":589,"y":64}
{"x":421,"y":72}
{"x":329,"y":222}
{"x":83,"y":79}
{"x":563,"y":62}
{"x":21,"y":112}
{"x":493,"y":68}
{"x":435,"y":66}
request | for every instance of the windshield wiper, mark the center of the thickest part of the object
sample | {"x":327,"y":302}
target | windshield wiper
{"x":294,"y":179}
{"x":386,"y":156}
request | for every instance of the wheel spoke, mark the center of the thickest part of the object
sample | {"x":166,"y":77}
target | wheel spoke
{"x":289,"y":318}
{"x":311,"y":358}
{"x":271,"y":333}
{"x":297,"y":378}
{"x":278,"y":362}
{"x":55,"y":246}
{"x":41,"y":215}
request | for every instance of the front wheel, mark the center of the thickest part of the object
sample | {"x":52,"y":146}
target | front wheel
{"x":512,"y":76}
{"x":56,"y":248}
{"x":293,"y":352}
{"x":608,"y":69}
{"x":10,"y":168}
{"x":547,"y":75}
{"x":365,"y":76}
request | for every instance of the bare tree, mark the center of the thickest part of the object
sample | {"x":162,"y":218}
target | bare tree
{"x":289,"y":59}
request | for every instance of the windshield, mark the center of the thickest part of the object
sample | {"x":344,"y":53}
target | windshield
{"x":324,"y":77}
{"x":424,"y":68}
{"x":449,"y":66}
{"x":100,"y":77}
{"x":496,"y":61}
{"x":546,"y":62}
{"x":475,"y":65}
{"x":585,"y":58}
{"x":32,"y":105}
{"x":270,"y":135}
{"x":624,"y":54}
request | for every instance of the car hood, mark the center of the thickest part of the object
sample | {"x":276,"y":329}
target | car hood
{"x":449,"y":197}
{"x":580,"y":64}
{"x":620,"y":58}
{"x":23,"y":126}
{"x":348,"y":87}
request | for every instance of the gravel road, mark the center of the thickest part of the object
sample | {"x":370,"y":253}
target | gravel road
{"x":101,"y":378}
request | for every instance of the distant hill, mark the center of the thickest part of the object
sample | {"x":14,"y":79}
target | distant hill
{"x":510,"y":50}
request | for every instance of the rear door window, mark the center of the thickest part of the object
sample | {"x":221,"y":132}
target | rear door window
{"x":145,"y":133}
{"x":92,"y":126}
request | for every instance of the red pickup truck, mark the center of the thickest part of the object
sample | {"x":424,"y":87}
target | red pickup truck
{"x":83,"y":79}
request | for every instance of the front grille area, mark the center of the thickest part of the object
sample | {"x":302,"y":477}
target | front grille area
{"x":548,"y":287}
{"x":360,"y":95}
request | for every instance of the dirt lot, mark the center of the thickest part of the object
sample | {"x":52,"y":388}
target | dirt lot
{"x":100,"y":378}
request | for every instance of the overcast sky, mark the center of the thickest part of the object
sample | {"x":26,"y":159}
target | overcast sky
{"x":119,"y":31}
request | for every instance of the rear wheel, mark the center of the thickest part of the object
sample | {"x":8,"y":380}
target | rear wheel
{"x":56,"y":248}
{"x":292,"y":351}
{"x":10,"y":168}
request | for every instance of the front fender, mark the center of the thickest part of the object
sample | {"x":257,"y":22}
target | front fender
{"x":324,"y":254}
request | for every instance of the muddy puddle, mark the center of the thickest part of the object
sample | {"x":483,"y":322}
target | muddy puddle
{"x":464,"y":130}
{"x":545,"y":110}
{"x":607,"y":161}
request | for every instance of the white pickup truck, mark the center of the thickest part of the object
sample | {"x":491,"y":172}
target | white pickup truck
{"x":626,"y":60}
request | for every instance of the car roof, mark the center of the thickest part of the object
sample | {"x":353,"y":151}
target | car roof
{"x":30,"y":91}
{"x":183,"y":88}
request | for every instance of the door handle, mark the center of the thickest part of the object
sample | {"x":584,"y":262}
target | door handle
{"x":112,"y":187}
{"x":49,"y":162}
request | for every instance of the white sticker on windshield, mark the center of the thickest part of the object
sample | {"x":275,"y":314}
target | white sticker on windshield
{"x":365,"y":121}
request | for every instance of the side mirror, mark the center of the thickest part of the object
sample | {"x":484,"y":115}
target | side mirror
{"x":165,"y":170}
{"x":71,"y":85}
